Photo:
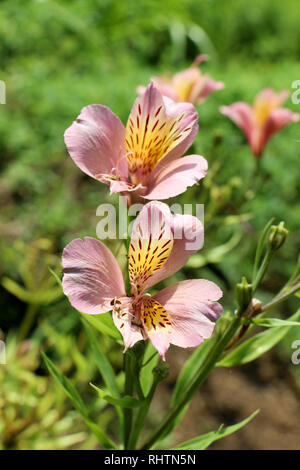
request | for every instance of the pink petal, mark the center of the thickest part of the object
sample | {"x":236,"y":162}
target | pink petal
{"x":268,"y":95}
{"x":130,"y":332}
{"x":174,"y":109}
{"x":184,"y":81}
{"x":188,"y":236}
{"x":174,"y":179}
{"x":190,"y":121}
{"x":242,"y":115}
{"x":123,"y":186}
{"x":160,"y":340}
{"x":92,"y":277}
{"x":192,"y":309}
{"x":278,"y":119}
{"x":165,"y":87}
{"x":199,"y":59}
{"x":96,"y":141}
{"x":209,"y":86}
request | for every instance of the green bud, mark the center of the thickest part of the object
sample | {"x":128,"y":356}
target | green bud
{"x":161,"y":371}
{"x":277,"y":236}
{"x":243,"y":293}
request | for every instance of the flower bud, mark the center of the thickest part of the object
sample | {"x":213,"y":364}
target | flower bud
{"x":255,"y":307}
{"x":243,"y":294}
{"x":277,"y":236}
{"x":161,"y":372}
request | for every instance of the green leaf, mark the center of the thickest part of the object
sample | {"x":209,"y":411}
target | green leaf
{"x":56,"y":277}
{"x":260,"y":247}
{"x":77,"y":402}
{"x":39,"y":297}
{"x":150,"y":361}
{"x":102,"y":362}
{"x":125,"y":402}
{"x":15,"y":289}
{"x":187,"y":374}
{"x":202,"y":442}
{"x":297,"y":294}
{"x":104,"y":323}
{"x":190,"y":369}
{"x":273,"y":322}
{"x":257,"y":345}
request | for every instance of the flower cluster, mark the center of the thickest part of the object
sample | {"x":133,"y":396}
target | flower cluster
{"x":143,"y":160}
{"x":183,"y":314}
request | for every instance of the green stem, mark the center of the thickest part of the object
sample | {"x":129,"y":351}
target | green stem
{"x":280,"y":299}
{"x":289,"y":284}
{"x":262,"y":270}
{"x":138,"y":387}
{"x":128,"y":391}
{"x":212,"y":357}
{"x":142,"y":415}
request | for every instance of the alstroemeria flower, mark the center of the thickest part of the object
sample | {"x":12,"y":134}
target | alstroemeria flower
{"x":143,"y":158}
{"x":261,"y":120}
{"x":189,"y":85}
{"x":183,"y":314}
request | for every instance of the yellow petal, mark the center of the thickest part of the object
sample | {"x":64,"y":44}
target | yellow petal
{"x":151,"y":134}
{"x":154,"y":316}
{"x":147,"y":255}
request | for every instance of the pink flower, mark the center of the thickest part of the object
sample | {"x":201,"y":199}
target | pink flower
{"x":183,"y":314}
{"x":261,"y":120}
{"x":189,"y":85}
{"x":143,"y":158}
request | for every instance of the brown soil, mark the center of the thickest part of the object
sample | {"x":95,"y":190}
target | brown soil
{"x":232,"y":394}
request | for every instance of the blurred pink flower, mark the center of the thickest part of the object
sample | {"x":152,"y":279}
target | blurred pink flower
{"x":143,"y":158}
{"x":261,"y":120}
{"x":183,"y":314}
{"x":189,"y":85}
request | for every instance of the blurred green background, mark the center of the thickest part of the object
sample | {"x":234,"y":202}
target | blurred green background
{"x":58,"y":56}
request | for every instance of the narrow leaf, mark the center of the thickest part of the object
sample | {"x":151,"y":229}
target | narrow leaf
{"x":104,"y":323}
{"x":204,"y":441}
{"x":102,"y":362}
{"x":187,"y":374}
{"x":77,"y":402}
{"x":273,"y":322}
{"x":190,"y":369}
{"x":56,"y":277}
{"x":38,"y":297}
{"x":150,"y":361}
{"x":16,"y":290}
{"x":125,"y":402}
{"x":260,"y":247}
{"x":257,"y":345}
